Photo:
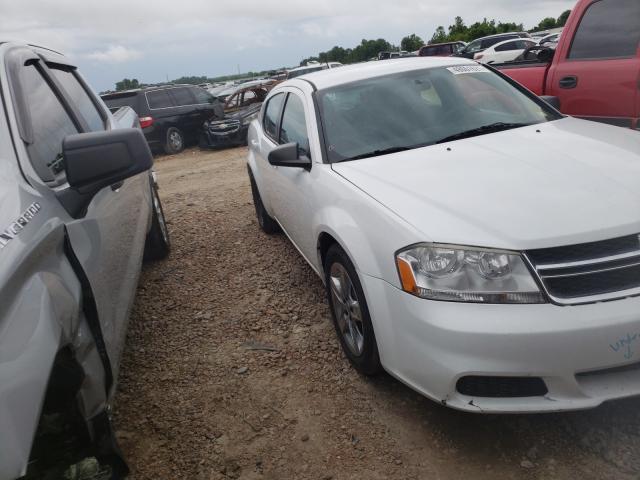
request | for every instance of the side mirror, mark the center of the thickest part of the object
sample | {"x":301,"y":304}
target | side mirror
{"x":288,"y":155}
{"x":99,"y":159}
{"x":553,"y":101}
{"x":545,"y":55}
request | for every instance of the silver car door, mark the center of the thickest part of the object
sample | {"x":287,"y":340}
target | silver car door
{"x":107,"y":237}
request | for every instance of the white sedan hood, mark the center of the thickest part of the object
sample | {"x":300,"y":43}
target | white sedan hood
{"x":571,"y":182}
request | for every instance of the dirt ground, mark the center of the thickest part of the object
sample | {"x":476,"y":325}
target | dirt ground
{"x":232,"y":370}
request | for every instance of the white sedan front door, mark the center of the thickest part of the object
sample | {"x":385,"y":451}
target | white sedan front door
{"x":293,"y":189}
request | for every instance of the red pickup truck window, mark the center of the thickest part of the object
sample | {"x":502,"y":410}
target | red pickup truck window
{"x":608,"y":29}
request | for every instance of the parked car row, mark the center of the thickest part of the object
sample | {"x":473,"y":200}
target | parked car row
{"x":173,"y":116}
{"x":499,"y":48}
{"x":170,"y":116}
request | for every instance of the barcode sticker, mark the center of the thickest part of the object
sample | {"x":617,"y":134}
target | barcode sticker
{"x":460,"y":69}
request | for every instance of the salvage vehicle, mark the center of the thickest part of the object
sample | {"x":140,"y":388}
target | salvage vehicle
{"x":479,"y":45}
{"x":80,"y":209}
{"x":474,"y":242}
{"x":244,"y":95}
{"x":242,"y":104}
{"x":595,"y":69}
{"x":231,"y":130}
{"x":171,"y":116}
{"x":506,"y":51}
{"x":441,"y":49}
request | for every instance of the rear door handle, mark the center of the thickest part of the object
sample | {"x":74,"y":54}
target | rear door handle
{"x":569,"y":82}
{"x":255,"y":143}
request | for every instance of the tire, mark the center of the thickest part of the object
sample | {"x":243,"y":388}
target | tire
{"x":353,"y":324}
{"x":267,"y":224}
{"x":174,"y":141}
{"x":158,"y":244}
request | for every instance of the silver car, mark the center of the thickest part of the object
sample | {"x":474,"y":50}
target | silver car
{"x":79,"y":210}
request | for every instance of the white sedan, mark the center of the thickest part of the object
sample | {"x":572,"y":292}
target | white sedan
{"x":506,"y":51}
{"x":475,"y":243}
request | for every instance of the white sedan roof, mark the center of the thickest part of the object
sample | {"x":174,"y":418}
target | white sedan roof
{"x":350,"y":73}
{"x":528,"y":40}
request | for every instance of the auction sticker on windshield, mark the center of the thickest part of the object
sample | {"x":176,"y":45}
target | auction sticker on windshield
{"x":460,"y":69}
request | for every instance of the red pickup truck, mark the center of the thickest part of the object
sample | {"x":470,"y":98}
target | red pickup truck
{"x":595,"y":71}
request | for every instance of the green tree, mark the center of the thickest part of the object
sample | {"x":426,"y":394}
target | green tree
{"x":562,"y":19}
{"x":440,"y":36}
{"x":369,"y":49}
{"x":458,"y":31}
{"x":411,"y":43}
{"x":481,"y":29}
{"x":509,"y":27}
{"x":546,"y":24}
{"x":126,"y":84}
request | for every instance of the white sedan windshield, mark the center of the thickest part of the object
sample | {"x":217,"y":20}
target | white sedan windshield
{"x":421,"y":107}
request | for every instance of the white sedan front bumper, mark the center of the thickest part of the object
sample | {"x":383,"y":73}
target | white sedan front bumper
{"x":575,"y":350}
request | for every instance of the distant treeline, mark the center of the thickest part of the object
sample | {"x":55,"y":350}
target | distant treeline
{"x":369,"y":49}
{"x":129,"y":84}
{"x":458,"y":31}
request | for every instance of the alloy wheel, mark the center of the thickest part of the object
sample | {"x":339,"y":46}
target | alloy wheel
{"x":346,"y":307}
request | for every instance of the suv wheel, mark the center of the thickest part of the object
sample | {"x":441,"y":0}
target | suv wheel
{"x":158,"y":243}
{"x":350,"y":312}
{"x":174,"y":142}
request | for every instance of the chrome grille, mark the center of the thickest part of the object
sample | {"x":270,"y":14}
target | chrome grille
{"x":224,"y":127}
{"x":589,"y":272}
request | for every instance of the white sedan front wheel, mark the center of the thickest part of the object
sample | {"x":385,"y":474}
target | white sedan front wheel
{"x":350,"y":312}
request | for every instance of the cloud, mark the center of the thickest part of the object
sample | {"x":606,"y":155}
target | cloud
{"x":120,"y":38}
{"x":115,"y":54}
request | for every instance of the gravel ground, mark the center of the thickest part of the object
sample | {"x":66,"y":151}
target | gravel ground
{"x":232,"y":370}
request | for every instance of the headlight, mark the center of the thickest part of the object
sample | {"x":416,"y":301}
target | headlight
{"x":466,"y":274}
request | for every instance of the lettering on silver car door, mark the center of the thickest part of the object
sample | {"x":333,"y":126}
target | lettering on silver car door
{"x":18,"y":225}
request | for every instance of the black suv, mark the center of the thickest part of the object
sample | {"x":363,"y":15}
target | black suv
{"x":483,"y":43}
{"x":171,"y":115}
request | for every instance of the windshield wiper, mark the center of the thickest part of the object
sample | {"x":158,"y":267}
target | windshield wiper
{"x":386,"y":151}
{"x":493,"y":127}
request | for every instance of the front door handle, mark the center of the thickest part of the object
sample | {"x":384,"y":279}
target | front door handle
{"x":569,"y":82}
{"x":116,"y":186}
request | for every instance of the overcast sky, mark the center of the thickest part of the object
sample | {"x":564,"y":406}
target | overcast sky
{"x":159,"y":39}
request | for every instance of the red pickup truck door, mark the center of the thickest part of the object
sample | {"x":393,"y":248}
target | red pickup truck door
{"x":596,"y":73}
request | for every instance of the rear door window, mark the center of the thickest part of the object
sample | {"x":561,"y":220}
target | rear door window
{"x":271,"y":113}
{"x":505,"y":47}
{"x":50,"y":123}
{"x":608,"y":29}
{"x":80,"y":98}
{"x":182,"y":96}
{"x":474,"y":46}
{"x":159,"y":99}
